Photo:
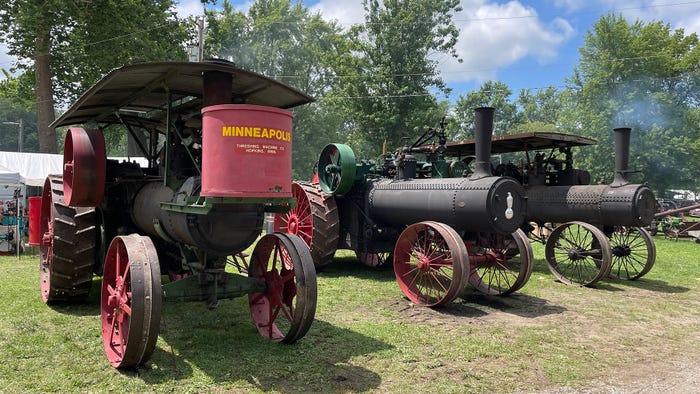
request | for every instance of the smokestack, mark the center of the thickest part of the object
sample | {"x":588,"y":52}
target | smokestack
{"x":483,"y":130}
{"x":622,"y":156}
{"x":217,"y":88}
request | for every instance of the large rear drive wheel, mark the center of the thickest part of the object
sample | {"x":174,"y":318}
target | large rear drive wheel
{"x":67,"y":245}
{"x":633,"y":252}
{"x":285,"y":310}
{"x":500,"y":264}
{"x":314,"y":219}
{"x":578,"y":254}
{"x":431,"y":263}
{"x":131,"y":301}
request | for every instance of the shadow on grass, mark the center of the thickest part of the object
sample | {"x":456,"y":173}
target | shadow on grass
{"x":646,"y":284}
{"x":519,"y":304}
{"x":350,"y":266}
{"x":225,"y":346}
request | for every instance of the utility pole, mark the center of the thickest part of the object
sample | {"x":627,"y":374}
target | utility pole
{"x":21,"y":133}
{"x":200,"y":36}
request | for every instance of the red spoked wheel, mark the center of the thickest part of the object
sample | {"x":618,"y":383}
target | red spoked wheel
{"x":431,"y":263}
{"x":500,"y":264}
{"x":314,"y":219}
{"x":374,"y":259}
{"x":633,"y":252}
{"x":84,"y":167}
{"x":67,"y":246}
{"x":578,"y":254}
{"x":131,"y":301}
{"x":285,"y":311}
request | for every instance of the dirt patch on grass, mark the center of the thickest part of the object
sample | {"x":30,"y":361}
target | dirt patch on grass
{"x":641,"y":337}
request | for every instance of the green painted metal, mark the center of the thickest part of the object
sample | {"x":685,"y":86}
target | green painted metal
{"x":211,"y":287}
{"x":202,"y":205}
{"x":336,"y":169}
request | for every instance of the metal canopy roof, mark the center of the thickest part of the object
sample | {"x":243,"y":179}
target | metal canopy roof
{"x":518,"y":143}
{"x":136,"y":93}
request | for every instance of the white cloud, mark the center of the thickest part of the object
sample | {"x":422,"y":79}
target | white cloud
{"x":494,"y":36}
{"x":571,"y":5}
{"x":346,"y":12}
{"x":187,"y":8}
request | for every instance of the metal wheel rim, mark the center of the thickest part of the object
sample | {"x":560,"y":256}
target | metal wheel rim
{"x":84,"y":167}
{"x":285,"y":311}
{"x":46,"y":245}
{"x":633,"y":253}
{"x":131,"y":301}
{"x":315,"y":220}
{"x":508,"y":263}
{"x":374,"y":260}
{"x":299,"y":220}
{"x":430,"y":263}
{"x":593,"y":262}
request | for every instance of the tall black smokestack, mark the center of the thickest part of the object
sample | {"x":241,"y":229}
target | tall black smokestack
{"x":483,"y":130}
{"x":217,"y":88}
{"x":622,"y":156}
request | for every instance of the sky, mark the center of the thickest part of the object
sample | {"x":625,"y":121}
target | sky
{"x":523,"y":43}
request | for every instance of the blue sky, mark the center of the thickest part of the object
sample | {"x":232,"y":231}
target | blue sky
{"x":523,"y":43}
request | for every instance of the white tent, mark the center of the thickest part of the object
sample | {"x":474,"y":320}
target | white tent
{"x":9,"y":177}
{"x":32,"y":167}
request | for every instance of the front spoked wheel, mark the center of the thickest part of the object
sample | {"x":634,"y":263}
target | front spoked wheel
{"x":431,"y":263}
{"x":131,"y":301}
{"x":285,"y":310}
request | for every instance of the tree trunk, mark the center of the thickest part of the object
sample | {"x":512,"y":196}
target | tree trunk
{"x":44,"y":95}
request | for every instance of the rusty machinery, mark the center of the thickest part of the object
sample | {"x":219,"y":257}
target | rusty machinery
{"x":443,"y":233}
{"x":217,"y":141}
{"x":589,"y":231}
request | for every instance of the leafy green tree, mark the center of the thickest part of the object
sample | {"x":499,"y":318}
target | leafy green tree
{"x":69,"y":45}
{"x":643,"y":76}
{"x":490,"y":94}
{"x":13,"y":109}
{"x":388,"y":76}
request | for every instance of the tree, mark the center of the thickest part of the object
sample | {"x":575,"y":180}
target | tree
{"x":69,"y":45}
{"x":490,"y":94}
{"x":388,"y":80}
{"x":642,"y":76}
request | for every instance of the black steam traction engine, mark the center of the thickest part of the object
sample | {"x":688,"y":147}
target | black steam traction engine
{"x":218,"y":144}
{"x":589,"y":231}
{"x":442,"y":231}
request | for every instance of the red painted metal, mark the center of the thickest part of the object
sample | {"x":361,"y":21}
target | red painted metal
{"x":246,"y":151}
{"x":84,"y":167}
{"x":431,"y":263}
{"x":285,"y":311}
{"x":131,"y":300}
{"x":46,"y":223}
{"x":34,"y":221}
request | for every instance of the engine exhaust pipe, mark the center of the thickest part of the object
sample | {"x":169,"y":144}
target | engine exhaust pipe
{"x":217,"y":88}
{"x":622,"y":156}
{"x":483,"y":130}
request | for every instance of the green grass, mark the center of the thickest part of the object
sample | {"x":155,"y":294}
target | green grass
{"x":367,"y":336}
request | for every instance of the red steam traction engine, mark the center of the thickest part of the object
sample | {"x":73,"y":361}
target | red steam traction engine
{"x":217,"y":140}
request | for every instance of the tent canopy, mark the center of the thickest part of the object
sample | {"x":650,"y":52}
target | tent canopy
{"x":9,"y":177}
{"x":33,"y":168}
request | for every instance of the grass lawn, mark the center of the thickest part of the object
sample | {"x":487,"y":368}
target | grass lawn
{"x":368,"y":337}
